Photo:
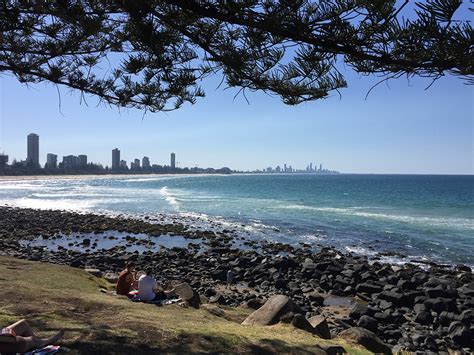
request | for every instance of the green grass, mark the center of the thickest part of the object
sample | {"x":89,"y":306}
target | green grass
{"x":56,"y":297}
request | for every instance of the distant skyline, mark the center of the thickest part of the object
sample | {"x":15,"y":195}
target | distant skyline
{"x":400,"y":128}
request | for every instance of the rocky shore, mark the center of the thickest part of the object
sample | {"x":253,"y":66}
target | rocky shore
{"x":411,"y":307}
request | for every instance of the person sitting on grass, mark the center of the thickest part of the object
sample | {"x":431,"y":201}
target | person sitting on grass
{"x":127,"y":280}
{"x":19,"y":338}
{"x":148,"y":289}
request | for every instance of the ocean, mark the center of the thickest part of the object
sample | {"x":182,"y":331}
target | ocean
{"x":422,"y":217}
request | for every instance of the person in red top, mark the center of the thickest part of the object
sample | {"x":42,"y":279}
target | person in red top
{"x":127,"y":280}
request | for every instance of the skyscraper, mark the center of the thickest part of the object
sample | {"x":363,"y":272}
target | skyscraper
{"x":115,"y":159}
{"x":82,"y":160}
{"x":70,"y":162}
{"x":173,"y":161}
{"x":33,"y":149}
{"x":3,"y":160}
{"x":137,"y":163}
{"x":146,"y":163}
{"x":51,"y":161}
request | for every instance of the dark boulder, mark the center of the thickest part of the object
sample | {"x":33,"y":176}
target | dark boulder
{"x":424,"y":318}
{"x":393,"y":297}
{"x":320,"y":326}
{"x":218,"y":298}
{"x":316,"y":297}
{"x":254,"y":303}
{"x":358,"y":311}
{"x":281,"y":283}
{"x":368,"y":288}
{"x":436,"y":293}
{"x":366,"y":338}
{"x":299,"y":321}
{"x":187,"y":294}
{"x":460,"y":334}
{"x":463,"y":268}
{"x":368,"y":322}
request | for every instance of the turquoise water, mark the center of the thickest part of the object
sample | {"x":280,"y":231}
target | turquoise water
{"x":419,"y":216}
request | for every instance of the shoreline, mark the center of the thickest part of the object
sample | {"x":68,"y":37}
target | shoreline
{"x":393,"y":301}
{"x":89,"y":176}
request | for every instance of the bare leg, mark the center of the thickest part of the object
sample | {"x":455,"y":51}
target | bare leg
{"x":34,"y":342}
{"x":22,"y":328}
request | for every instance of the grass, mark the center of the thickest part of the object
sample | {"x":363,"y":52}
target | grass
{"x":56,"y":297}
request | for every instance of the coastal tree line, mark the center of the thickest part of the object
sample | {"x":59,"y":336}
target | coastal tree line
{"x":20,"y":168}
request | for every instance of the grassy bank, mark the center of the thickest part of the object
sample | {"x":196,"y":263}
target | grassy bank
{"x":53,"y":297}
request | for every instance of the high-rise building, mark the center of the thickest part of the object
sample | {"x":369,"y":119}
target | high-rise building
{"x":32,"y":157}
{"x":146,"y":163}
{"x":123,"y":164}
{"x":70,"y":162}
{"x":82,"y":160}
{"x":3,"y":160}
{"x":320,"y":167}
{"x":137,"y":163}
{"x":51,"y":161}
{"x":173,"y":161}
{"x":116,"y":159}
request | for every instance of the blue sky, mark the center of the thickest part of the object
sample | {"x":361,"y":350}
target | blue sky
{"x":400,"y":128}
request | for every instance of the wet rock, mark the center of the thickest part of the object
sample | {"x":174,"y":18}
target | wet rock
{"x":463,"y":268}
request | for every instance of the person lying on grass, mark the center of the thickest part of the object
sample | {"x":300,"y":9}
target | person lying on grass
{"x":19,"y":338}
{"x":127,"y":280}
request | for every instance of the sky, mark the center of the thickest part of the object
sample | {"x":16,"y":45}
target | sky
{"x":401,"y":128}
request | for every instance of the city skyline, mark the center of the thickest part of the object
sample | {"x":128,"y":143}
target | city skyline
{"x":76,"y":161}
{"x":70,"y":162}
{"x":398,"y":129}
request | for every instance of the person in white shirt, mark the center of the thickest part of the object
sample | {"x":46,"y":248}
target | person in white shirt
{"x":147,"y":288}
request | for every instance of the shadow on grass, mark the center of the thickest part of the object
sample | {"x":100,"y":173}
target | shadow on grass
{"x":192,"y":343}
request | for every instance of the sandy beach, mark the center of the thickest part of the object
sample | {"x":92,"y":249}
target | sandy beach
{"x":87,"y":176}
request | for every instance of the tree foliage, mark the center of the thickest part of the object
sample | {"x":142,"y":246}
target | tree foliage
{"x":153,"y":55}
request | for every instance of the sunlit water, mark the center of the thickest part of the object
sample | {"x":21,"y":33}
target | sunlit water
{"x":428,"y":217}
